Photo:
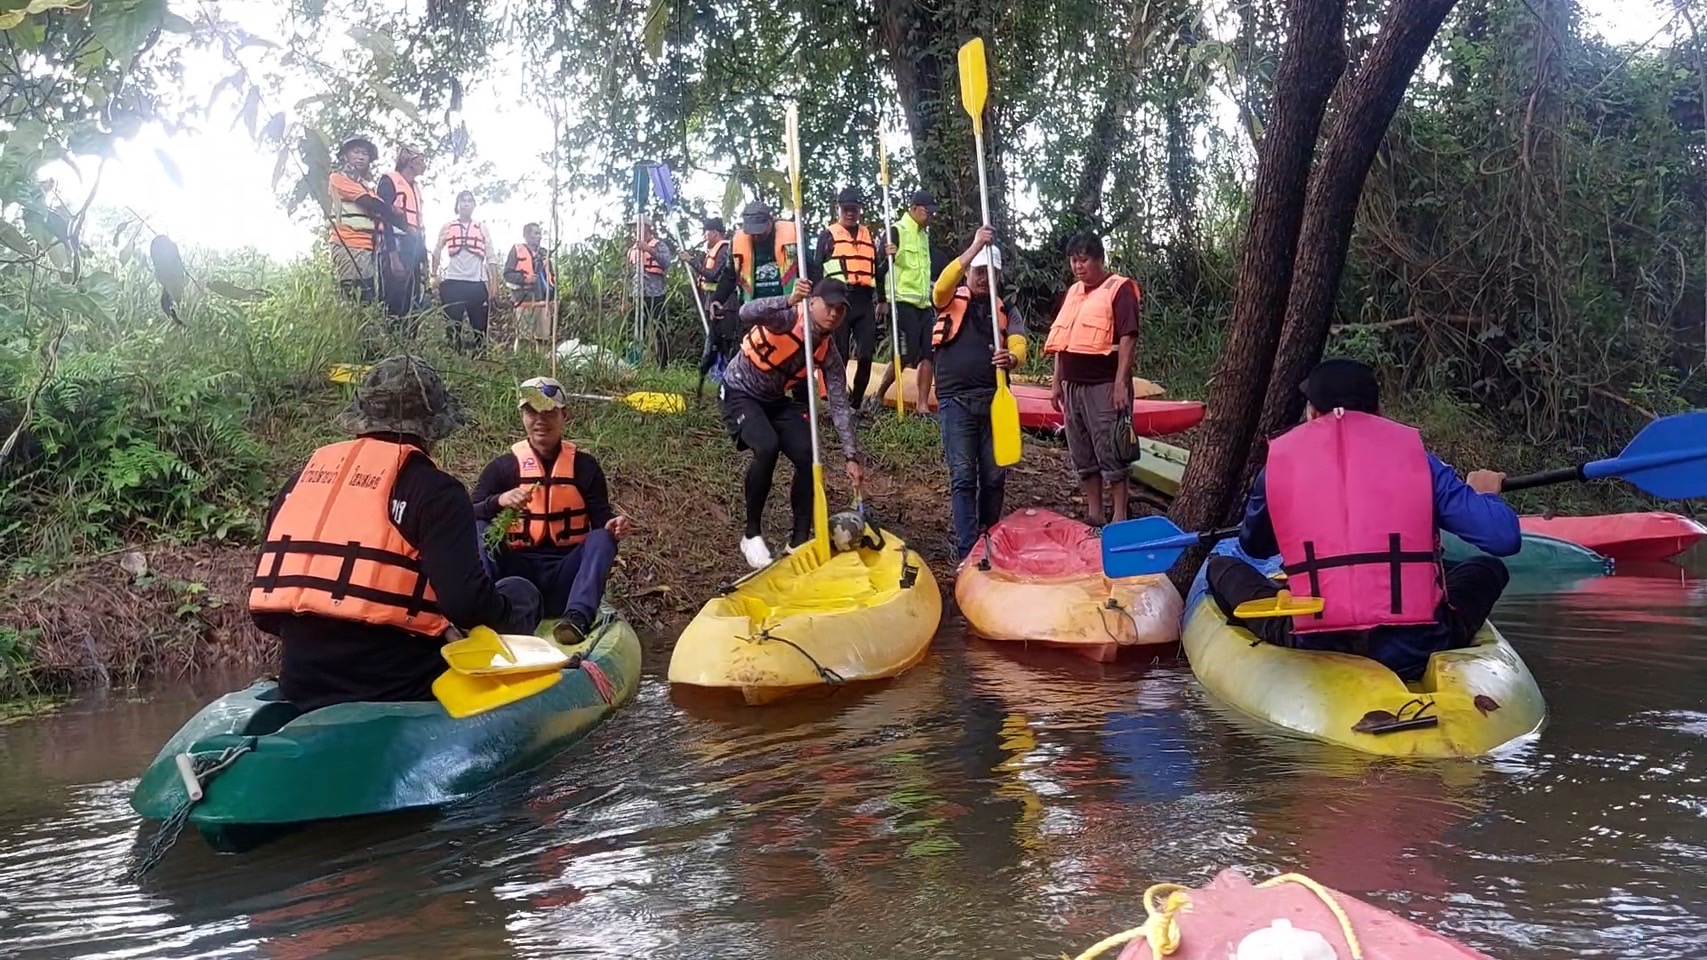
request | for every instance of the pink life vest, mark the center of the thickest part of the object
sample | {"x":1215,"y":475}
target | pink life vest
{"x":1351,"y":497}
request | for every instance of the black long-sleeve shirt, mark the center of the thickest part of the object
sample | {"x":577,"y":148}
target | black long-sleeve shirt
{"x":328,"y":661}
{"x":504,"y":474}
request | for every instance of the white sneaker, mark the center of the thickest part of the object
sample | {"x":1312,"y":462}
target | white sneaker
{"x":758,"y":555}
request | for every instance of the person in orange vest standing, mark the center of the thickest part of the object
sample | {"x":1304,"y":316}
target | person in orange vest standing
{"x":369,"y":556}
{"x":402,"y":251}
{"x":717,"y":287}
{"x":533,"y":282}
{"x":653,"y":257}
{"x":1093,"y":340}
{"x":357,"y":213}
{"x":846,"y":250}
{"x":565,"y":538}
{"x":464,"y":275}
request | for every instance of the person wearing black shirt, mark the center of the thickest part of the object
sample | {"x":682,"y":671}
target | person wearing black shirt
{"x":330,"y":655}
{"x":565,"y":539}
{"x":961,"y":362}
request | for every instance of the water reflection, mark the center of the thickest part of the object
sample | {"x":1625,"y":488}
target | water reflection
{"x":995,"y":801}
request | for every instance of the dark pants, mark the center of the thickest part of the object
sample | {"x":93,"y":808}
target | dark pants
{"x":975,"y":484}
{"x":1472,"y":589}
{"x":465,"y":300}
{"x":568,"y":580}
{"x":652,"y":317}
{"x":769,"y":428}
{"x":857,"y":338}
{"x":361,"y":291}
{"x":399,"y":270}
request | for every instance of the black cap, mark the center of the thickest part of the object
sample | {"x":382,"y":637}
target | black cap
{"x":712,"y":223}
{"x":1342,"y":383}
{"x":832,"y":291}
{"x":923,"y":198}
{"x":756,"y":218}
{"x":850,"y":197}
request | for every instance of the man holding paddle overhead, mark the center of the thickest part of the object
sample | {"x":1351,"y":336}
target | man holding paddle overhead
{"x":962,"y":361}
{"x":564,"y":539}
{"x":762,"y":413}
{"x":1352,"y":502}
{"x":370,"y":555}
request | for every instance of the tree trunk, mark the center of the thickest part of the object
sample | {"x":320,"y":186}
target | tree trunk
{"x":1311,"y":64}
{"x":1364,"y":106}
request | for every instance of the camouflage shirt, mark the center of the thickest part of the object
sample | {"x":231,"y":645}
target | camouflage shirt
{"x":777,"y":315}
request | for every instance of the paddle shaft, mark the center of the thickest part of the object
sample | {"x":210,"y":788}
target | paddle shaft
{"x":820,"y":503}
{"x":889,"y":277}
{"x":990,"y":272}
{"x":1620,"y":466}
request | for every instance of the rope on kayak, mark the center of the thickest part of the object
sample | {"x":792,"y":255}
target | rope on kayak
{"x":1113,"y":604}
{"x":204,"y":767}
{"x":1160,"y":928}
{"x":824,"y":673}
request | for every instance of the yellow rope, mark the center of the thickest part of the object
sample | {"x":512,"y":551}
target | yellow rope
{"x":1328,"y":901}
{"x":1161,"y":930}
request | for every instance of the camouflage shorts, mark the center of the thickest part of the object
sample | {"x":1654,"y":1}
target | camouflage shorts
{"x":349,"y":263}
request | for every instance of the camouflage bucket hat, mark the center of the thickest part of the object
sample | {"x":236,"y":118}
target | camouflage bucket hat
{"x":403,"y":395}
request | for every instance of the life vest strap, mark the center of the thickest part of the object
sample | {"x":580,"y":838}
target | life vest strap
{"x":340,"y":586}
{"x":415,"y":603}
{"x":1393,"y":557}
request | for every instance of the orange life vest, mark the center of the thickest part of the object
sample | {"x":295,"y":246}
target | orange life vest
{"x":784,"y":241}
{"x":408,"y":199}
{"x":467,"y":237}
{"x":773,"y":352}
{"x":555,"y":514}
{"x":711,"y":253}
{"x":334,"y":550}
{"x":529,"y":271}
{"x":651,"y":265}
{"x":853,"y":257}
{"x":949,"y":317}
{"x":352,"y":226}
{"x":1086,"y":321}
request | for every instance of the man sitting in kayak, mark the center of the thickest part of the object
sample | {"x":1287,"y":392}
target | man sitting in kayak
{"x":1352,"y":503}
{"x":370,"y":553}
{"x":763,"y":414}
{"x":564,"y":541}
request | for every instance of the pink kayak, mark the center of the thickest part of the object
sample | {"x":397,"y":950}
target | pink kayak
{"x":1623,"y":536}
{"x":1151,"y":418}
{"x":1230,"y":908}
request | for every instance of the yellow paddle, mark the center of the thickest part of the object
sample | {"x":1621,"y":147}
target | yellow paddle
{"x":645,"y":401}
{"x":1282,"y":604}
{"x":1004,"y":410}
{"x":889,"y":250}
{"x":820,"y":503}
{"x":488,"y":670}
{"x":347,"y":372}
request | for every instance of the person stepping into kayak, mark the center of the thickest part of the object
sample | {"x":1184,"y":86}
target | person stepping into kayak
{"x":1093,"y":341}
{"x":1374,"y":557}
{"x":961,"y":361}
{"x":763,"y":413}
{"x":368,"y":559}
{"x":564,"y":540}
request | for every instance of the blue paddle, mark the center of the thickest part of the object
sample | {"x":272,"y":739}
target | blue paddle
{"x":1668,"y":460}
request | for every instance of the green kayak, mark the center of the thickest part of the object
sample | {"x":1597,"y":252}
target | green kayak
{"x":266,"y":768}
{"x":1161,"y":465}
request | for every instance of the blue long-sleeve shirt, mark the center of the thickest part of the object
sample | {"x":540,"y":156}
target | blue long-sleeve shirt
{"x":1482,"y":519}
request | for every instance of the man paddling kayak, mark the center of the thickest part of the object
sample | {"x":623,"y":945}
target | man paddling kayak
{"x":763,"y":414}
{"x":370,"y":555}
{"x":1374,"y":557}
{"x":564,"y":541}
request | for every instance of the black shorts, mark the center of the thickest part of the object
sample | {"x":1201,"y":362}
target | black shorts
{"x":751,"y":421}
{"x":915,"y":324}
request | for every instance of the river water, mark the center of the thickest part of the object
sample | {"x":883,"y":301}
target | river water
{"x":990,"y":803}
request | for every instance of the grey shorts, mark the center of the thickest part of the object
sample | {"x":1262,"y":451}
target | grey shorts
{"x":351,"y":264}
{"x":1090,"y":416}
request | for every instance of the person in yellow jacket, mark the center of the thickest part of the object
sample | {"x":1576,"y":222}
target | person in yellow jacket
{"x":357,"y":216}
{"x":959,"y":366}
{"x":915,"y":317}
{"x":1093,"y":340}
{"x":370,"y":556}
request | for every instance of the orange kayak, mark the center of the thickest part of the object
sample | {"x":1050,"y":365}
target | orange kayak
{"x":1623,"y":536}
{"x":1037,"y":578}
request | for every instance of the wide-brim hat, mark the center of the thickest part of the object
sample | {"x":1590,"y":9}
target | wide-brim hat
{"x":403,"y":395}
{"x":372,"y":151}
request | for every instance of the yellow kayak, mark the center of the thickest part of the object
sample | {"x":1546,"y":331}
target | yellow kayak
{"x":1037,"y":578}
{"x":861,"y":615}
{"x":1479,"y":698}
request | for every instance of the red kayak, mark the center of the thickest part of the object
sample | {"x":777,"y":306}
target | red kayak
{"x":1621,"y":536}
{"x":1151,"y":418}
{"x":1221,"y":915}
